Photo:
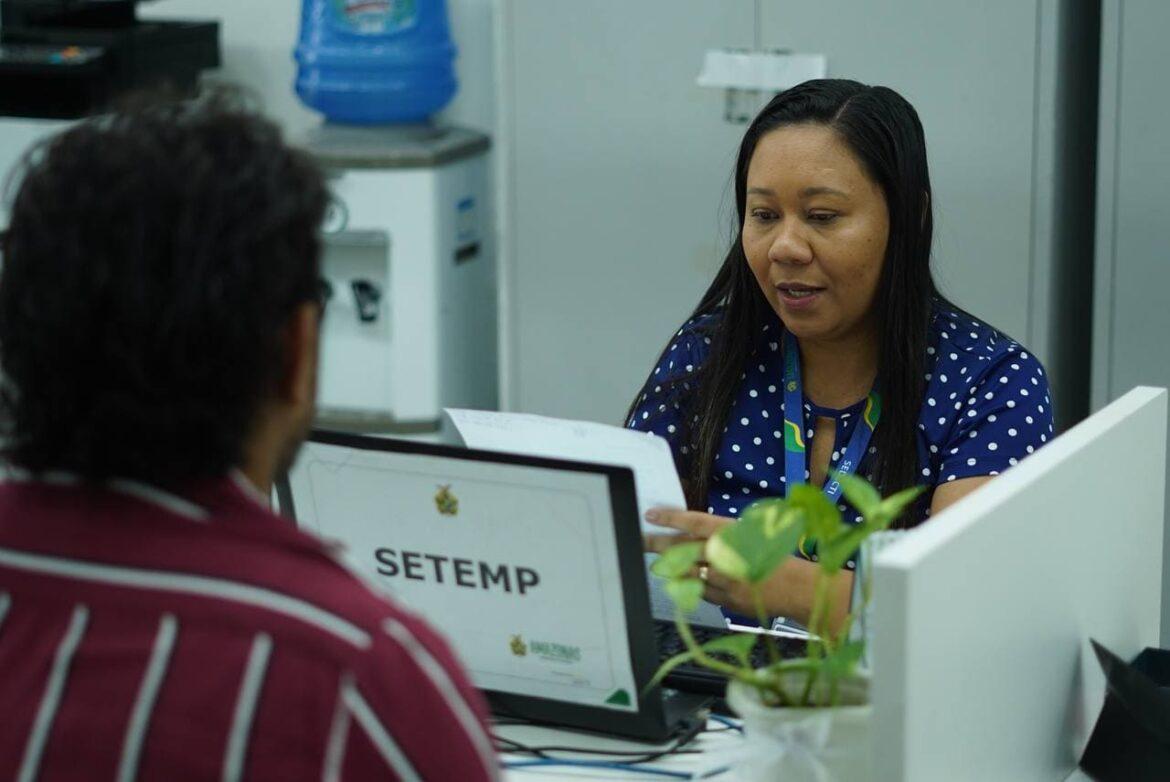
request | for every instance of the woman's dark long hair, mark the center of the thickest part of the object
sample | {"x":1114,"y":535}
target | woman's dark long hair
{"x":884,"y":132}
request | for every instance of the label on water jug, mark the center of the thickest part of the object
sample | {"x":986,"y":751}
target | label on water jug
{"x":376,"y":17}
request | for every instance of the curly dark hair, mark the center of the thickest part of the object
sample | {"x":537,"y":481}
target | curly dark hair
{"x":152,"y":257}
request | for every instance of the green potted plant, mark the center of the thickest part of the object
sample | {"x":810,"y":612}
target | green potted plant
{"x":804,"y":718}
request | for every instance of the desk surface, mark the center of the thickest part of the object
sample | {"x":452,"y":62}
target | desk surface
{"x":714,"y":746}
{"x":709,"y":750}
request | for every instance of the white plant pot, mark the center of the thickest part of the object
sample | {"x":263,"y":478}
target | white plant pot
{"x":805,"y":744}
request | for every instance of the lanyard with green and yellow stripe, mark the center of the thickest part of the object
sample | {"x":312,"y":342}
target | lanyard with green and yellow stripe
{"x":795,"y":459}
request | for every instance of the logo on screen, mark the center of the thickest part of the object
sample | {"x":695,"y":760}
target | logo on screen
{"x":446,"y":502}
{"x":555,"y":652}
{"x":519,"y":648}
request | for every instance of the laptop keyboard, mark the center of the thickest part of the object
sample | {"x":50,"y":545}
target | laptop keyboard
{"x":695,"y":678}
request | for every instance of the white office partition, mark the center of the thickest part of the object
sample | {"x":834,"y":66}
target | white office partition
{"x":982,"y":664}
{"x":1131,"y":276}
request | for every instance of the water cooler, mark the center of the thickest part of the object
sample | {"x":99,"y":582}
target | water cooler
{"x":411,"y":323}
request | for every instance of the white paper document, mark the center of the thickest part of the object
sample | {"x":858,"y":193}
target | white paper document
{"x":656,"y":483}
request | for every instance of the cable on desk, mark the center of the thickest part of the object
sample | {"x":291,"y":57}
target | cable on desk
{"x":627,"y":757}
{"x":729,"y":723}
{"x":504,"y":722}
{"x":651,"y":770}
{"x":504,"y":744}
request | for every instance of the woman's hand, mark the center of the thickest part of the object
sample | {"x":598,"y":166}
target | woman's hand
{"x":696,"y":526}
{"x":692,"y":524}
{"x":787,"y":592}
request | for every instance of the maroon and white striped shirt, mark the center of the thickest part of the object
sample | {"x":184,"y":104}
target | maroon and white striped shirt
{"x":145,"y":635}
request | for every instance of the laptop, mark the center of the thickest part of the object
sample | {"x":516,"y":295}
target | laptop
{"x":532,"y":568}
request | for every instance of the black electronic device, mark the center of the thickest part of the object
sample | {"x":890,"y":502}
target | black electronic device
{"x":692,"y":677}
{"x":659,"y":713}
{"x":64,"y":59}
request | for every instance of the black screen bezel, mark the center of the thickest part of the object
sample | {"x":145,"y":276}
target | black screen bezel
{"x":649,"y":722}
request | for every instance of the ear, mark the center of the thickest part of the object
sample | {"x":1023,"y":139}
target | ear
{"x":298,"y":381}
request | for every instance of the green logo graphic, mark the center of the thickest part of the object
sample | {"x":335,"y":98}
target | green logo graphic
{"x":873,"y":410}
{"x":519,"y":648}
{"x":446,"y":502}
{"x":793,"y":442}
{"x":554,"y":652}
{"x":619,"y":698}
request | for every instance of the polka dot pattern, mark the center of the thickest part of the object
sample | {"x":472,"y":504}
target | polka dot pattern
{"x":987,"y":406}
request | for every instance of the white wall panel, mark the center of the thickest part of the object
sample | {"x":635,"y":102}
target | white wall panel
{"x":619,"y":178}
{"x":621,"y":165}
{"x":968,"y":69}
{"x":1132,"y":305}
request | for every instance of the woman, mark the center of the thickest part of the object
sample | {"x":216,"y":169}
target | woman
{"x":824,"y":338}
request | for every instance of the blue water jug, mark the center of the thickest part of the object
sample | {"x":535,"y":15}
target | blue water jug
{"x":366,"y":62}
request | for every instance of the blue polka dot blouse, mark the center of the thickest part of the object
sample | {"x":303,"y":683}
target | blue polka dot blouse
{"x":987,"y":406}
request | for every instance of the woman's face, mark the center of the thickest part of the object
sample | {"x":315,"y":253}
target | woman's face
{"x":814,"y":232}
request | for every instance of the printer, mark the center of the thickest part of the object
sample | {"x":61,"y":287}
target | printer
{"x":64,"y":59}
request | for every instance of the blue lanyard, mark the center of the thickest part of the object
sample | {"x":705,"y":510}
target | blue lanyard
{"x":795,"y":459}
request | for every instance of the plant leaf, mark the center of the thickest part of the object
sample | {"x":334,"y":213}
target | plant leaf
{"x":725,"y":557}
{"x":738,"y":645}
{"x":667,"y":666}
{"x":842,"y":662}
{"x":685,"y":592}
{"x":773,"y":512}
{"x":831,"y":556}
{"x":782,"y":524}
{"x":796,"y":664}
{"x":859,"y":493}
{"x":822,"y":518}
{"x":677,"y":560}
{"x":775,"y":518}
{"x":893,"y":506}
{"x":785,"y":535}
{"x":754,"y":546}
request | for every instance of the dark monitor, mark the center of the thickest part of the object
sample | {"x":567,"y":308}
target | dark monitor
{"x":560,"y":631}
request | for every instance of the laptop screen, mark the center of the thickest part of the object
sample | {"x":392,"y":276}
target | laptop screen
{"x":514,"y":561}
